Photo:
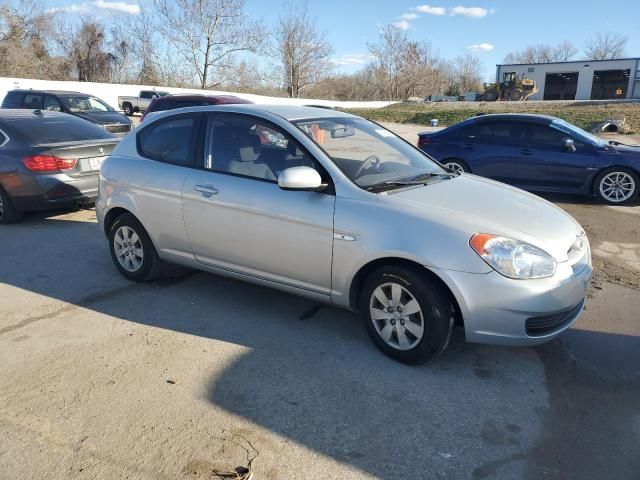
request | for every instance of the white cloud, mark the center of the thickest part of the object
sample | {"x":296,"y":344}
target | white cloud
{"x":351,"y":59}
{"x":90,"y":7}
{"x":130,"y":8}
{"x":430,"y":10}
{"x":402,"y":25}
{"x":471,"y":12}
{"x":481,"y":47}
{"x":409,"y":16}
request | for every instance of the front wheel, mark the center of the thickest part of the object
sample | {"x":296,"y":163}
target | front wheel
{"x":617,"y":185}
{"x":407,"y":315}
{"x":128,"y":109}
{"x":132,"y":251}
{"x":457,"y":165}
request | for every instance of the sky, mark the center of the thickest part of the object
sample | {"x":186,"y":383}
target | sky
{"x":487,"y":28}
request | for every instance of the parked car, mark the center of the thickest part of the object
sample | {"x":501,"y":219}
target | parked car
{"x":172,"y":102}
{"x":81,"y":105}
{"x":538,"y":153}
{"x":139,"y":104}
{"x":338,"y":209}
{"x":48,"y":160}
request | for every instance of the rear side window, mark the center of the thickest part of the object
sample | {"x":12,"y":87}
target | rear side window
{"x":42,"y":129}
{"x":13,"y":100}
{"x":170,"y":140}
{"x":32,"y":101}
{"x":489,"y":132}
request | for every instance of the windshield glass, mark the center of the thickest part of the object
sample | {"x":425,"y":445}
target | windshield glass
{"x":581,"y":134}
{"x":86,"y":104}
{"x":367,"y":153}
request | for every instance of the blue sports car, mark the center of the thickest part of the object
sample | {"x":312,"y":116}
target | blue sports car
{"x":538,"y":153}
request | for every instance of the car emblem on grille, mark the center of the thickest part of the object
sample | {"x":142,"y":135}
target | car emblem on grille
{"x":100,"y":150}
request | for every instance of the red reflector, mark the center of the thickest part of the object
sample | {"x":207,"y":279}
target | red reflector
{"x":48,"y":163}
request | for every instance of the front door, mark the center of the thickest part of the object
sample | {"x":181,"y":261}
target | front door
{"x":545,"y":164}
{"x":238,"y":219}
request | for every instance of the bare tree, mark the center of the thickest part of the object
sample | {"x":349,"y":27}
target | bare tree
{"x":543,"y":54}
{"x":605,"y":46}
{"x":207,"y":33}
{"x":389,"y":53}
{"x":468,"y":73}
{"x":302,"y":51}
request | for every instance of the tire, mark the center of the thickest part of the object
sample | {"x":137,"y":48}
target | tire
{"x":617,"y":185}
{"x":431,"y":324}
{"x":8,"y":213}
{"x":128,"y":109}
{"x":142,"y":264}
{"x":456,"y":165}
{"x":516,"y":94}
{"x":491,"y":95}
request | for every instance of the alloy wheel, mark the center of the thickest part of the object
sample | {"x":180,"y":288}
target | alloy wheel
{"x":128,"y":249}
{"x":617,"y":187}
{"x":455,"y":166}
{"x":396,"y":316}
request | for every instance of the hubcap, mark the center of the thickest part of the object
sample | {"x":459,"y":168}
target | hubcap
{"x":128,"y":249}
{"x":456,"y":167}
{"x":396,"y":316}
{"x":617,"y":186}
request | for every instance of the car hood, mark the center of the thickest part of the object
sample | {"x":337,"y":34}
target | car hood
{"x":480,"y":205}
{"x":103,"y":118}
{"x":628,"y":150}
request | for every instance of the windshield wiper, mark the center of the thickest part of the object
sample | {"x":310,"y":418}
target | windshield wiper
{"x":422,"y":179}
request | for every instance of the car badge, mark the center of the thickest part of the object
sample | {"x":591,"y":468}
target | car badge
{"x":100,"y":150}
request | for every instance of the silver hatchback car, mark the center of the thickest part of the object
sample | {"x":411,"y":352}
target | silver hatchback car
{"x":337,"y":208}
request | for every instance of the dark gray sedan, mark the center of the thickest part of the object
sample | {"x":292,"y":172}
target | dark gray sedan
{"x":48,"y":160}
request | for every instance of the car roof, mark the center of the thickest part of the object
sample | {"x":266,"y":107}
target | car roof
{"x":288,"y":112}
{"x":50,"y":92}
{"x":513,"y":116}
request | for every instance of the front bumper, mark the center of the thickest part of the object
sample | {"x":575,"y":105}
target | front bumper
{"x":48,"y":192}
{"x":498,"y":310}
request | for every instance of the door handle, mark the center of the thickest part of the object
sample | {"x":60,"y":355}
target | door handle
{"x":206,"y":190}
{"x":467,"y":146}
{"x":526,"y":152}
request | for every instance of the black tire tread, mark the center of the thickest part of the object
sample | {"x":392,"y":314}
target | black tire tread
{"x":151,"y":264}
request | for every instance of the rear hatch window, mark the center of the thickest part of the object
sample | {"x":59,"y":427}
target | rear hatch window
{"x":43,"y":129}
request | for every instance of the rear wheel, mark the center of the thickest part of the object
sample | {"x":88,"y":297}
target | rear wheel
{"x":132,"y":251}
{"x":456,"y":165}
{"x":408,"y":316}
{"x":128,"y":109}
{"x":491,"y":95}
{"x":8,"y":213}
{"x":617,"y":185}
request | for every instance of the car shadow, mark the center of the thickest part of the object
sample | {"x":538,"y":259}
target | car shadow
{"x":309,"y":373}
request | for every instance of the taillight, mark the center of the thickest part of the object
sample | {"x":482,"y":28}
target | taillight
{"x":423,"y":140}
{"x":48,"y":163}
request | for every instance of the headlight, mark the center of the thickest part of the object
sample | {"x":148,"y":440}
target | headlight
{"x":513,"y":258}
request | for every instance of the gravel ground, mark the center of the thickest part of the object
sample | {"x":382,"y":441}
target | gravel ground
{"x":197,"y":374}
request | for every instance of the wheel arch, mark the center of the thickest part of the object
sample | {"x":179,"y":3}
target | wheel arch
{"x":368,"y":268}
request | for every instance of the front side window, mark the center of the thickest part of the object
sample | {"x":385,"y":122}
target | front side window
{"x":243,"y":146}
{"x":51,"y":104}
{"x":538,"y":134}
{"x":86,"y":104}
{"x":368,"y":154}
{"x":169,"y":140}
{"x":577,"y":133}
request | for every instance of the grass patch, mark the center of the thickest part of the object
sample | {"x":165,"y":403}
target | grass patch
{"x":584,"y":115}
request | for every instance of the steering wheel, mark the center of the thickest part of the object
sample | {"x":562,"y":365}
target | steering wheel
{"x":371,"y":160}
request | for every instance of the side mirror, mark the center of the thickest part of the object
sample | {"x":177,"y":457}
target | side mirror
{"x":568,"y":145}
{"x":300,"y":178}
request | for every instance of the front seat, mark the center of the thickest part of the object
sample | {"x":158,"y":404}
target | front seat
{"x":245,"y":161}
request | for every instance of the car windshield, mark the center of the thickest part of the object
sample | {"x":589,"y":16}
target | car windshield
{"x":368,"y":154}
{"x":582,"y":135}
{"x":86,"y":104}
